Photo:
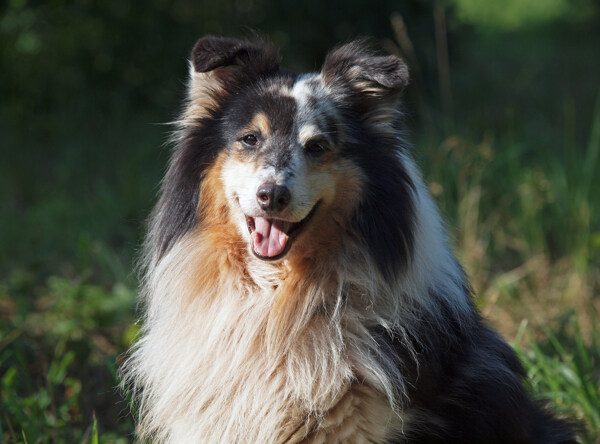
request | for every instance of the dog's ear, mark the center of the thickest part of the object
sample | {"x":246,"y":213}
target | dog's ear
{"x":219,"y":66}
{"x":369,"y":82}
{"x":255,"y":58}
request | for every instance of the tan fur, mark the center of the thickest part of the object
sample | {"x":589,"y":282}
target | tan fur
{"x":236,"y":349}
{"x":202,"y":90}
{"x":261,"y":123}
{"x":302,"y":383}
{"x":360,"y":415}
{"x":307,"y":132}
{"x":232,"y":358}
{"x":299,"y":346}
{"x":275,"y":353}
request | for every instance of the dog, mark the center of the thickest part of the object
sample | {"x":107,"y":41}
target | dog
{"x":297,"y":281}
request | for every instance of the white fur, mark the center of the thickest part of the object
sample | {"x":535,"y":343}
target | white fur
{"x":209,"y":367}
{"x":243,"y":179}
{"x":201,"y":360}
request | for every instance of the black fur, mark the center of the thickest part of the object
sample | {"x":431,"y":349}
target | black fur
{"x":363,"y":83}
{"x":236,"y":63}
{"x":468,"y":384}
{"x":364,"y":79}
{"x":251,"y":59}
{"x":176,"y":211}
{"x":385,"y":218}
{"x":279,"y":109}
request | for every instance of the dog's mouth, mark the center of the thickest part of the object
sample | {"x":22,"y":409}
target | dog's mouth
{"x":271,"y":238}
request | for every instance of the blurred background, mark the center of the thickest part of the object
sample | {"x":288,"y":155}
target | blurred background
{"x":504,"y":115}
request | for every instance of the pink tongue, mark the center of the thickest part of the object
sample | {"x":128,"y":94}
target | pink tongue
{"x":269,"y":238}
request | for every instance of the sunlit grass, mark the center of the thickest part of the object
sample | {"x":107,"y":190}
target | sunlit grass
{"x":566,"y":372}
{"x":524,"y":218}
{"x":58,"y":352}
{"x":526,"y":224}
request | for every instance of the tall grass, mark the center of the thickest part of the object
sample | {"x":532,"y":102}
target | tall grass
{"x":525,"y":220}
{"x":565,"y":372}
{"x":527,"y":229}
{"x":58,"y":356}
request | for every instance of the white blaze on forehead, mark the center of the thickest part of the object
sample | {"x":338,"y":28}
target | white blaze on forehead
{"x":242,"y":177}
{"x":304,"y":87}
{"x":314,"y":107}
{"x":306,"y":116}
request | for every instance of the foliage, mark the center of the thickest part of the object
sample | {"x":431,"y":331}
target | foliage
{"x":566,"y":373}
{"x":508,"y":135}
{"x":511,"y":14}
{"x":58,"y":356}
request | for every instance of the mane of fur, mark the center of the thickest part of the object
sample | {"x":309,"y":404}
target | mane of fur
{"x":233,"y":349}
{"x":277,"y":346}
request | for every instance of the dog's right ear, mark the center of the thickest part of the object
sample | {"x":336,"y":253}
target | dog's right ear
{"x":219,"y":66}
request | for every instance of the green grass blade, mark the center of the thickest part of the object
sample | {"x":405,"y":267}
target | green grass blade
{"x":593,"y":148}
{"x":95,"y":430}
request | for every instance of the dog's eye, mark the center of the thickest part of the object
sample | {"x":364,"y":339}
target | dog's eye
{"x":250,"y":140}
{"x":316,"y":147}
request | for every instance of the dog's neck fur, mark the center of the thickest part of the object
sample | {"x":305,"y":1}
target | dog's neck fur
{"x":364,"y":329}
{"x":283,"y":347}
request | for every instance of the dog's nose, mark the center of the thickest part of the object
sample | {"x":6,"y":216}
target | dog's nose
{"x":273,"y":197}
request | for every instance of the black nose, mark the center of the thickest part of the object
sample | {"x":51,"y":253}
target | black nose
{"x":272,"y":197}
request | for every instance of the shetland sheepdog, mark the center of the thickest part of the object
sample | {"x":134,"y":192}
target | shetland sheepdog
{"x":298,"y":285}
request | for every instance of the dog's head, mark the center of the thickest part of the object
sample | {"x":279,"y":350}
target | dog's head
{"x":300,"y":159}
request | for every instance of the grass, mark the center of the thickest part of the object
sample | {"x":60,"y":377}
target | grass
{"x":59,"y":358}
{"x":565,"y":372}
{"x":524,"y":216}
{"x":63,"y":331}
{"x":527,"y":229}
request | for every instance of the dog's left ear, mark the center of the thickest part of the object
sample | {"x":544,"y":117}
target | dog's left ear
{"x":370,"y":83}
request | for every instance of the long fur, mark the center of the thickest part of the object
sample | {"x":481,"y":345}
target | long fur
{"x":365,"y":331}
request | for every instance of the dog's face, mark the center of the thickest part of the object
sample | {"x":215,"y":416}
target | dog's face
{"x":285,"y":171}
{"x":300,"y":159}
